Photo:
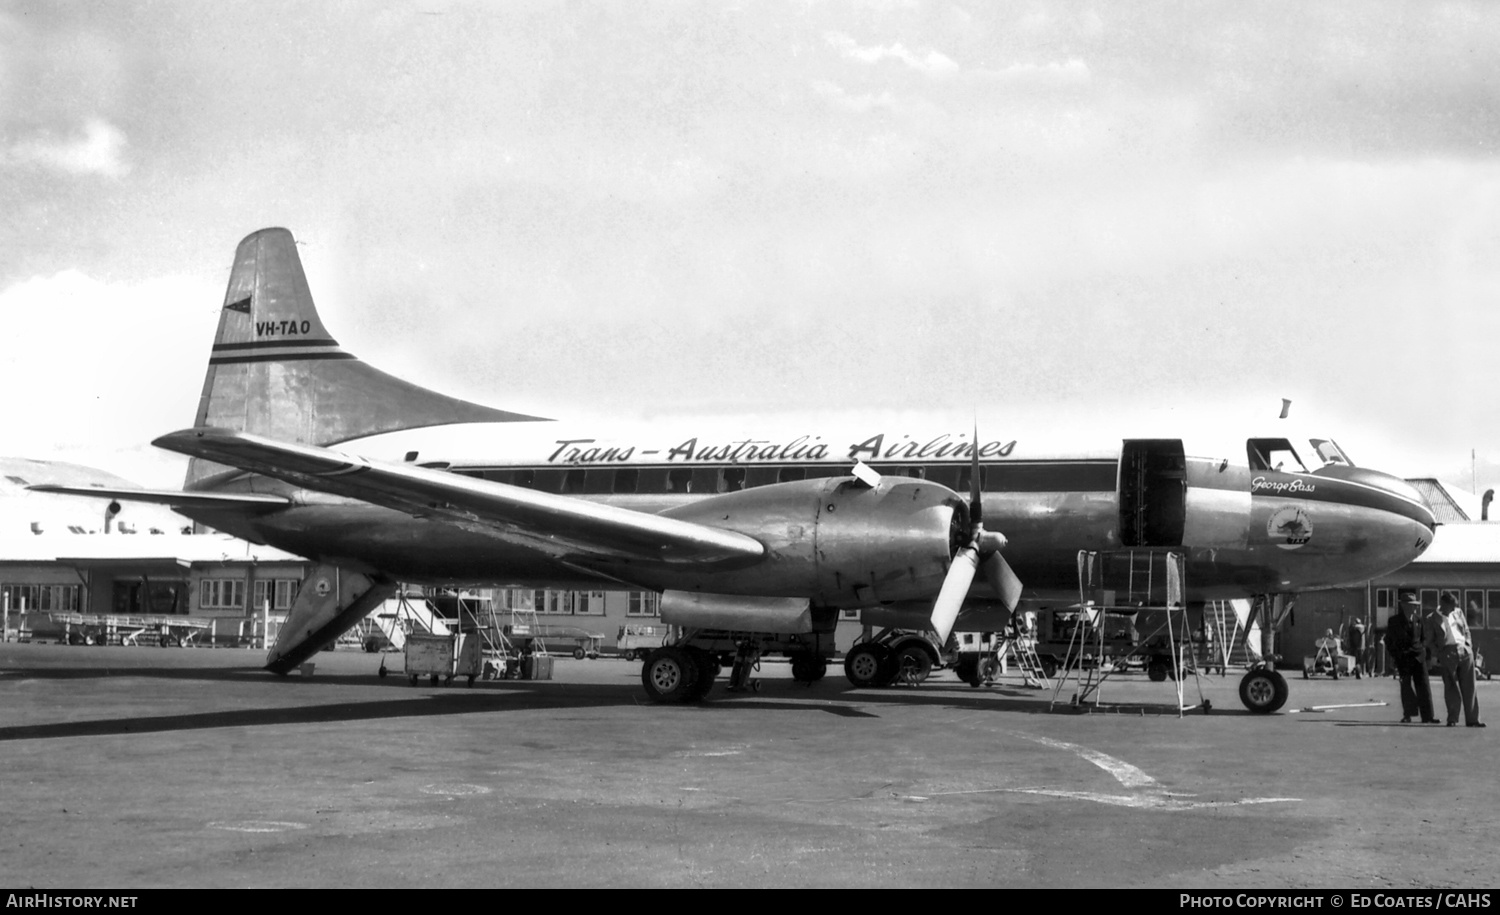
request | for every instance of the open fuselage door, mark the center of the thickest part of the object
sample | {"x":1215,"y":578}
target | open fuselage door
{"x":1153,"y":493}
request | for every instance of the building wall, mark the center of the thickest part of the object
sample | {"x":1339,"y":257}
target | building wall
{"x":1476,"y":586}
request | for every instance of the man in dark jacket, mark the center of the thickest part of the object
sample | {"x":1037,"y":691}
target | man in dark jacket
{"x":1403,"y":642}
{"x":1356,"y":645}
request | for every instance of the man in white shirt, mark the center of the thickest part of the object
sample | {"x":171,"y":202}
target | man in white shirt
{"x":1445,"y":633}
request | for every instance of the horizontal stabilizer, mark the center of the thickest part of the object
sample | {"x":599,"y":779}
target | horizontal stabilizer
{"x":173,"y":497}
{"x":559,"y":526}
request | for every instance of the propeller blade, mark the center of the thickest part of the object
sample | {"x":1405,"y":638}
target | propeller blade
{"x":976,"y":507}
{"x":1003,"y":580}
{"x":955,"y":588}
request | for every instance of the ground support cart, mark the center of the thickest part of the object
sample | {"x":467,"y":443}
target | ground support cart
{"x":443,"y":657}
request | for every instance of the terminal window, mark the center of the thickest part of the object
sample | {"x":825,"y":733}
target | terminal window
{"x":221,"y":594}
{"x":50,"y":598}
{"x":643,"y":603}
{"x":282,"y":592}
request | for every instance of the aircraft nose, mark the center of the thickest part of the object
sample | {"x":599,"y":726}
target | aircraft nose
{"x":1406,"y":499}
{"x":1390,"y":494}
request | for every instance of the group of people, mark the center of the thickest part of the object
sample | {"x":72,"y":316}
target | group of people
{"x":1442,"y":635}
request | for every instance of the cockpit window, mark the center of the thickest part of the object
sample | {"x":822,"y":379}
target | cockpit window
{"x":1329,"y":452}
{"x":1273,"y":454}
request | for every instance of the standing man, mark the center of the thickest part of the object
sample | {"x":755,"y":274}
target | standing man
{"x":1445,"y":633}
{"x":1403,"y":642}
{"x":1356,"y":643}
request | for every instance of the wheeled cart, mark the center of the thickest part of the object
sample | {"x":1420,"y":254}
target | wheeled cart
{"x":443,"y":657}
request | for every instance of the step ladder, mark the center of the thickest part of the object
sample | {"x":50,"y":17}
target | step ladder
{"x":1023,"y":649}
{"x":1134,"y":580}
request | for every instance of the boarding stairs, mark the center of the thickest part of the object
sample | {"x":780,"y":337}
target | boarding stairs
{"x":407,"y":612}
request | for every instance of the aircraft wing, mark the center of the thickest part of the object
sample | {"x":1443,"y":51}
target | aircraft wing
{"x":173,"y":497}
{"x":560,"y":526}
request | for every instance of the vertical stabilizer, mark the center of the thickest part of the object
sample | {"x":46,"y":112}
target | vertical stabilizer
{"x":276,"y":371}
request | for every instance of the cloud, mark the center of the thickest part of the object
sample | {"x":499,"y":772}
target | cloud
{"x":95,"y":362}
{"x":1070,"y":72}
{"x":836,"y":96}
{"x":99,"y":151}
{"x":929,"y":61}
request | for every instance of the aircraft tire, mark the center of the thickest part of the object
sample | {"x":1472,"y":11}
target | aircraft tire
{"x":669,"y":675}
{"x":708,"y":671}
{"x":970,"y":670}
{"x":808,"y":667}
{"x":1263,"y":691}
{"x":865,"y":665}
{"x":1157,"y":671}
{"x":913,"y":664}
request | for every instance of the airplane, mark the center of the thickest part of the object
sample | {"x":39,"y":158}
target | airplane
{"x":299,"y":444}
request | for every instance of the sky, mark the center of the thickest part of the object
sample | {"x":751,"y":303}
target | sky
{"x":1070,"y":212}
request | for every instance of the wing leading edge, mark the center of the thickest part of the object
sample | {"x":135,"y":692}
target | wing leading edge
{"x":566,"y":528}
{"x":173,"y":497}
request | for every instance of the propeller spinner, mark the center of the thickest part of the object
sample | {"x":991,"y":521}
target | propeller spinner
{"x":982,"y":550}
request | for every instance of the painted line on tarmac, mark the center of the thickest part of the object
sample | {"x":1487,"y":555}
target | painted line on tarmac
{"x":257,"y":826}
{"x":1149,"y":793}
{"x":1159,"y":800}
{"x":1127,"y":775}
{"x":455,"y":790}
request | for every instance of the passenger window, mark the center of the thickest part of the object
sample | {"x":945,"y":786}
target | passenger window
{"x":573,"y":481}
{"x":680,"y":480}
{"x":548,"y":480}
{"x":626,"y":479}
{"x":944,"y":475}
{"x":599,"y":480}
{"x":761,"y":476}
{"x":791,"y":474}
{"x":734,"y":479}
{"x":707,"y":480}
{"x":500,"y":476}
{"x":652,"y":481}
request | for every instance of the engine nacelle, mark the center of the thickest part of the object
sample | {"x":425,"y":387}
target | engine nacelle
{"x":837,"y":541}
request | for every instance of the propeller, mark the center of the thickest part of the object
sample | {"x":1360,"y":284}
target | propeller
{"x":981,"y":551}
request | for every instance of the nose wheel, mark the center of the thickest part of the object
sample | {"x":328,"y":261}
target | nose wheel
{"x":1263,"y":691}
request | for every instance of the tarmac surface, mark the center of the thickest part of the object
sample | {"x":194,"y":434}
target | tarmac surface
{"x":147,"y":767}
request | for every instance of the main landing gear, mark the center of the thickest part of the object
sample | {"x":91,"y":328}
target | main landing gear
{"x":893,"y":657}
{"x":675,"y":674}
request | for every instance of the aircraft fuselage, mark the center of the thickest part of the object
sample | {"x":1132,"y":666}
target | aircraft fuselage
{"x":1243,"y":529}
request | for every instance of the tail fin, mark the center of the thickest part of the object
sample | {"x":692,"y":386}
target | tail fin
{"x":276,"y":371}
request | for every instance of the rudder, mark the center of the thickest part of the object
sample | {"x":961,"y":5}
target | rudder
{"x":276,"y":371}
